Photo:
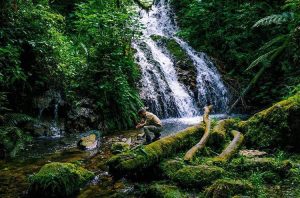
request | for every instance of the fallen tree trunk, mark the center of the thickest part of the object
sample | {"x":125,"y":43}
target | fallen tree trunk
{"x":232,"y":148}
{"x":277,"y":126}
{"x":146,"y":156}
{"x":190,"y":154}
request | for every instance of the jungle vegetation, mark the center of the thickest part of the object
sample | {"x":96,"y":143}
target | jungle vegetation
{"x":83,"y":48}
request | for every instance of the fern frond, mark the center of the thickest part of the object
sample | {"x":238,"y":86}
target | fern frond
{"x":260,"y":59}
{"x":276,"y":40}
{"x":274,"y":19}
{"x":13,"y":119}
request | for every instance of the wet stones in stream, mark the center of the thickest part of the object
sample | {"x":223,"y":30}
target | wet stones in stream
{"x":90,"y":141}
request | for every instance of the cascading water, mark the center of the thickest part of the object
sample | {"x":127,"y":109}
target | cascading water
{"x":160,"y":87}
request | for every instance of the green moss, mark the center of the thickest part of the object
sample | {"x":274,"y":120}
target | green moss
{"x":220,"y":130}
{"x":146,"y":156}
{"x":58,"y":179}
{"x":281,"y":168}
{"x":119,"y":147}
{"x":169,"y":167}
{"x":156,"y":37}
{"x":184,"y":66}
{"x":277,"y":126}
{"x":165,"y":191}
{"x":224,"y":188}
{"x":197,"y":176}
{"x":145,"y":4}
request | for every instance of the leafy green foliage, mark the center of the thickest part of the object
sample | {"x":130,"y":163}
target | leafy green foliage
{"x":81,"y":48}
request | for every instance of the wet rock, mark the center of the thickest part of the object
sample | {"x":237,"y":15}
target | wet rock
{"x":224,"y":188}
{"x":37,"y":129}
{"x":119,"y":147}
{"x":89,"y":142}
{"x":83,"y":117}
{"x":58,"y":180}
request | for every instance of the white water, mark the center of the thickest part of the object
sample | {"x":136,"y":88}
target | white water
{"x":160,"y":88}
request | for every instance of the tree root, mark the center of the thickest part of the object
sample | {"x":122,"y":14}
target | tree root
{"x":218,"y":133}
{"x":200,"y":145}
{"x":232,"y":148}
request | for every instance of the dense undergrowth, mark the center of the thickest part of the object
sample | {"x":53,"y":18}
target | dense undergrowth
{"x":260,"y":34}
{"x":79,"y":48}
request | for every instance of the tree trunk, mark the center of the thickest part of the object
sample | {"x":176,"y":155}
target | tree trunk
{"x":190,"y":154}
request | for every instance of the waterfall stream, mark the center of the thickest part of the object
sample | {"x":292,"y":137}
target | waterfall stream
{"x":161,"y":89}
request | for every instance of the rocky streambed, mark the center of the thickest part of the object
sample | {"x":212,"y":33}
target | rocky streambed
{"x":260,"y":169}
{"x":14,"y":173}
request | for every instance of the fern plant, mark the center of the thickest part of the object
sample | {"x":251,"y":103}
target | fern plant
{"x":12,"y":137}
{"x":275,"y":47}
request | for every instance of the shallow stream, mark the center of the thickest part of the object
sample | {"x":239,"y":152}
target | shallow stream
{"x":14,"y":173}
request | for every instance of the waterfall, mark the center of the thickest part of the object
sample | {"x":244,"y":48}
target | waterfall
{"x":54,"y":128}
{"x":160,"y":87}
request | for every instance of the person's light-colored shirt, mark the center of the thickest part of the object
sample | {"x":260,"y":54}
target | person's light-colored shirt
{"x":152,"y":119}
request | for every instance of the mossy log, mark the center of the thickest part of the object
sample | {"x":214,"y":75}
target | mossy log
{"x":232,"y":148}
{"x":277,"y":126}
{"x":200,"y":145}
{"x":146,"y":156}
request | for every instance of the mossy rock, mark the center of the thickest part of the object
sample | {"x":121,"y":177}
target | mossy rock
{"x":184,"y":65}
{"x":261,"y":164}
{"x":119,"y":147}
{"x":135,"y":161}
{"x":169,"y":167}
{"x":58,"y":180}
{"x":145,"y":4}
{"x":164,"y":191}
{"x":224,"y":188}
{"x":277,"y":126}
{"x":197,"y":176}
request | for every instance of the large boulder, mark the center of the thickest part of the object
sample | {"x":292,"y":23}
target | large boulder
{"x":58,"y":180}
{"x":83,"y":117}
